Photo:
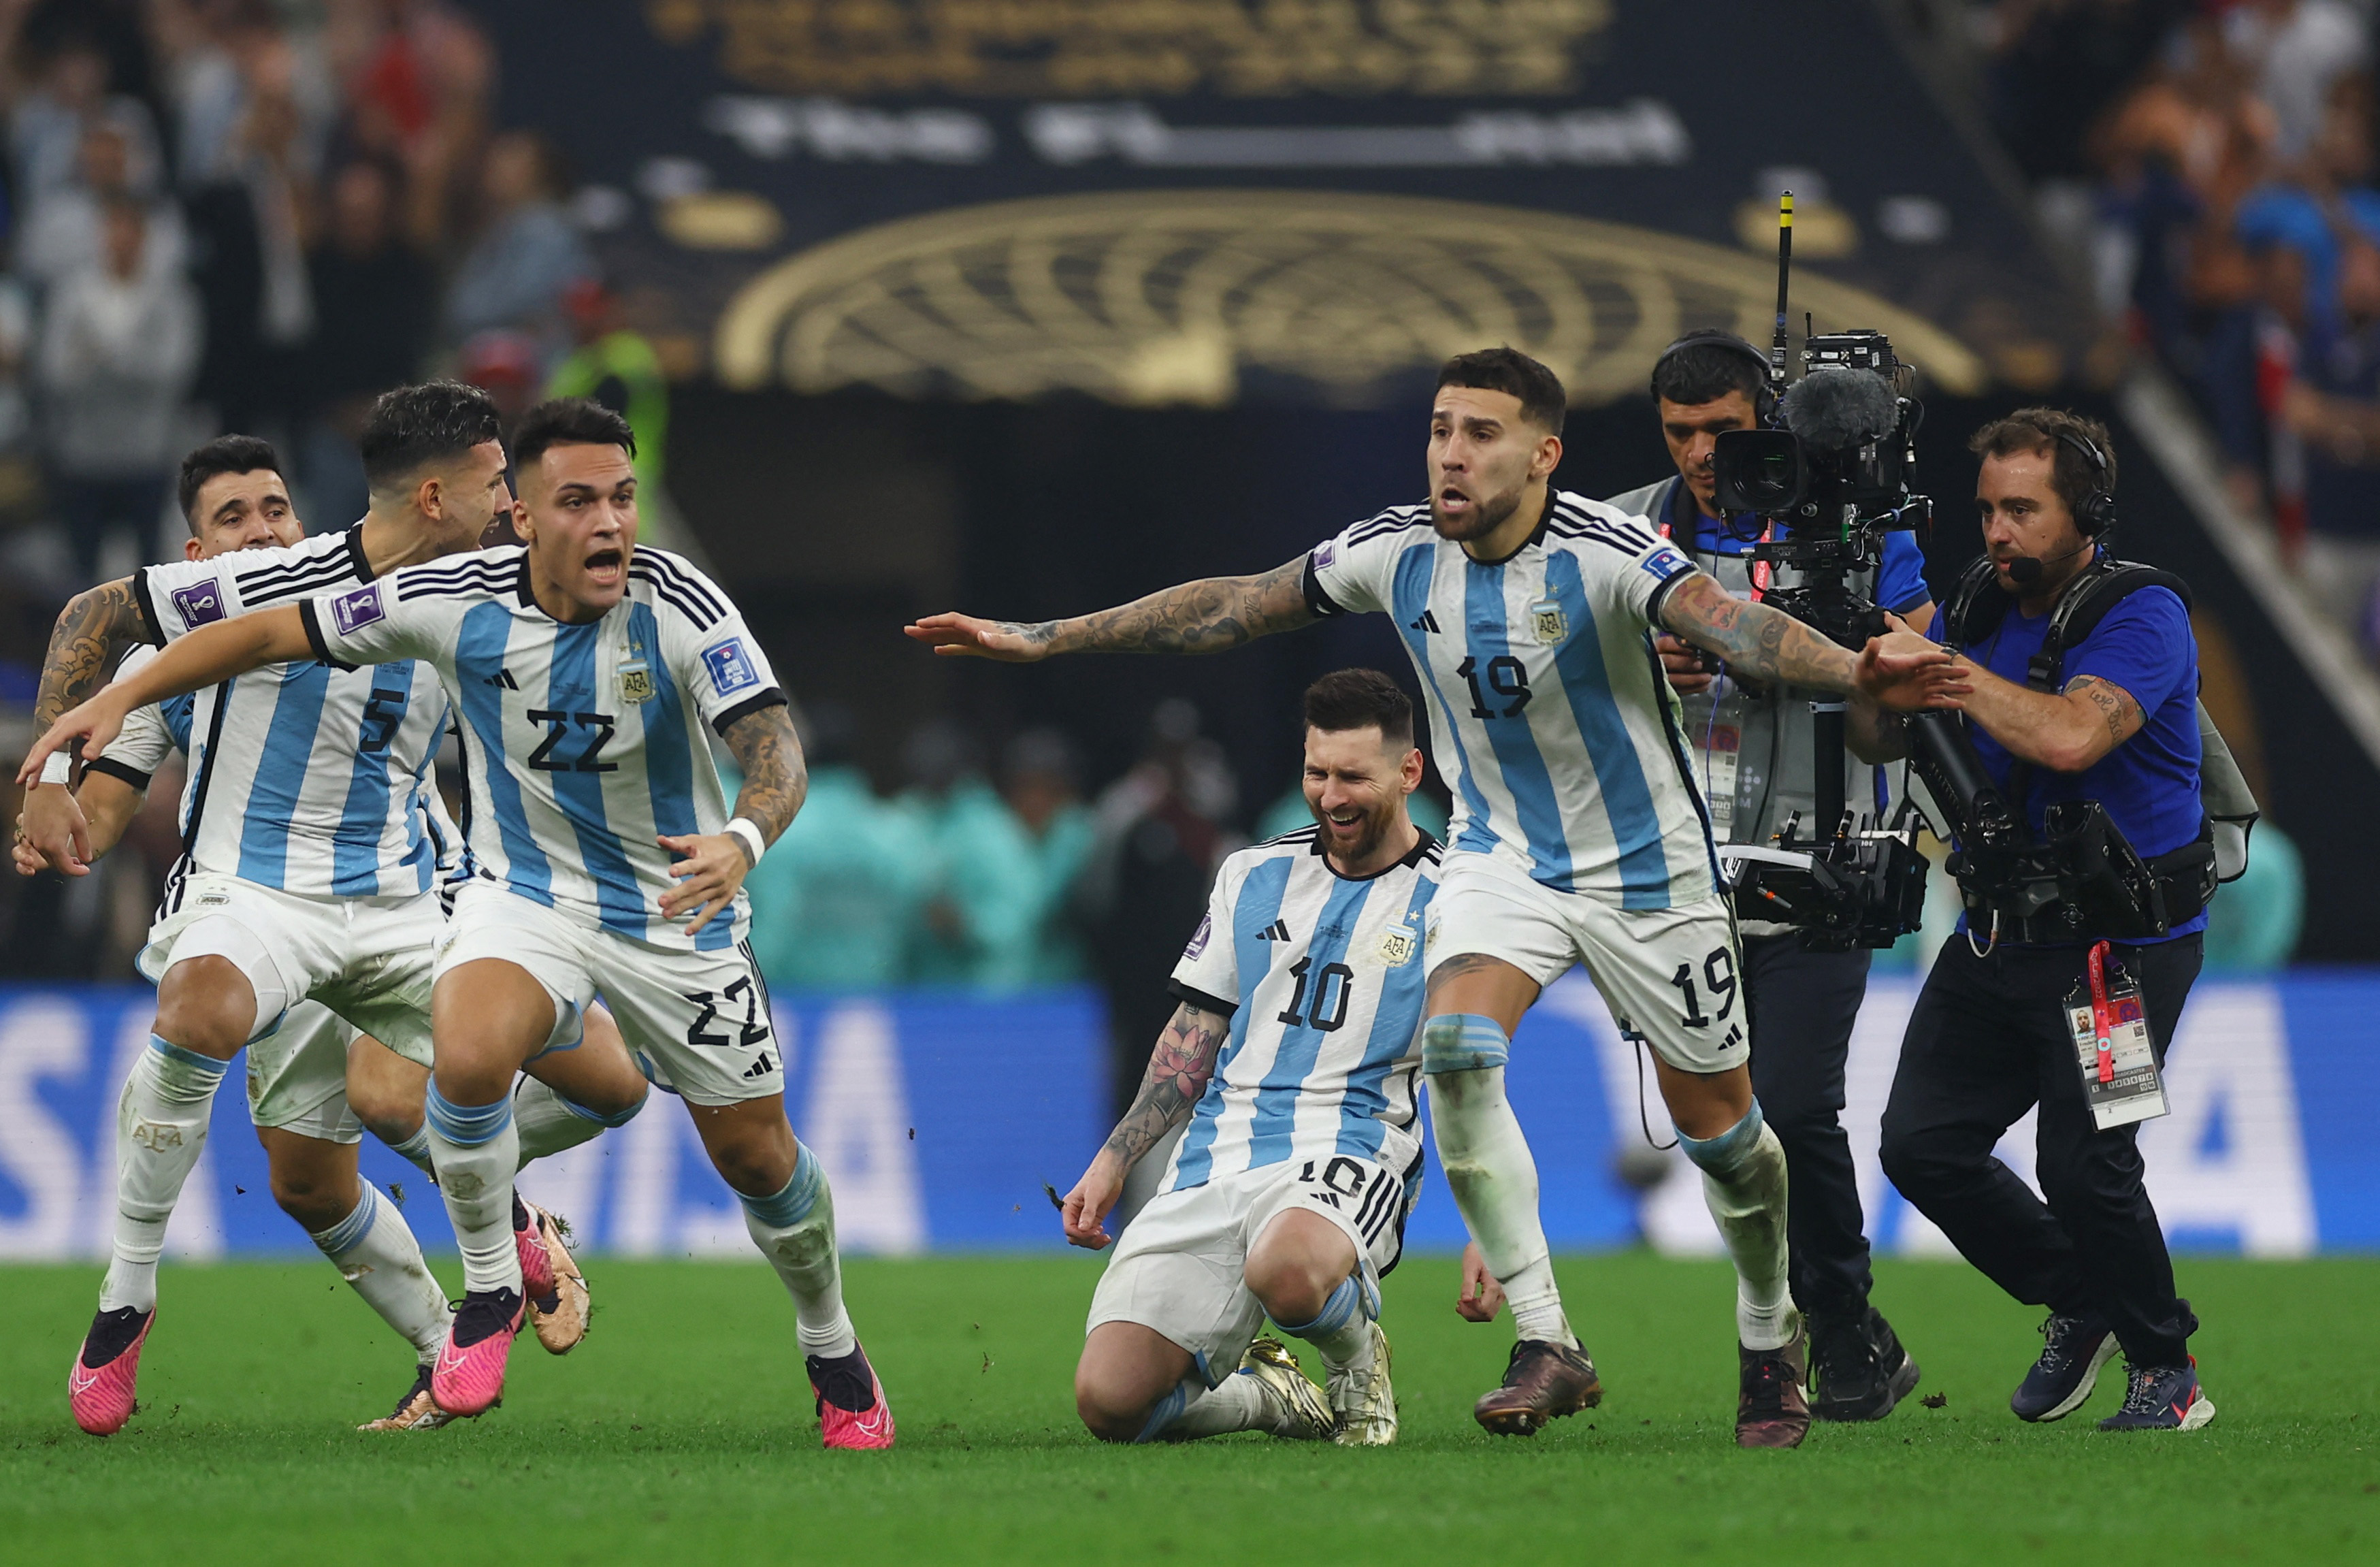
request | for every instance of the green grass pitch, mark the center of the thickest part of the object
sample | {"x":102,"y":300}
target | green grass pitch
{"x":682,"y":1431}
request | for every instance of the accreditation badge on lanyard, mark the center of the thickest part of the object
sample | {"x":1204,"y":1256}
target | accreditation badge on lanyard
{"x":2111,"y":1045}
{"x":1722,"y":743}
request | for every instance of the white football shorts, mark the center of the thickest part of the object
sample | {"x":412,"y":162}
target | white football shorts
{"x":1180,"y":1269}
{"x":368,"y":960}
{"x":697,"y":1022}
{"x":1670,"y":975}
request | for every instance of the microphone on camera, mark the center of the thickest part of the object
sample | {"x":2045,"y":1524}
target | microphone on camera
{"x":2025,"y":570}
{"x":1835,"y":408}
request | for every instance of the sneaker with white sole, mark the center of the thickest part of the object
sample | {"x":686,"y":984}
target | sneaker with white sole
{"x":1364,"y":1400}
{"x":2072,"y":1350}
{"x":1294,"y":1405}
{"x":2162,"y":1398}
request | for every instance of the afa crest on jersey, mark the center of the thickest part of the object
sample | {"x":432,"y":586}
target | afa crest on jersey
{"x":1398,"y":947}
{"x":1546,"y":619}
{"x":636,"y":682}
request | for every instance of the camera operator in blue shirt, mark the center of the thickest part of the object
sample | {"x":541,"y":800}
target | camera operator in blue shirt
{"x":2084,"y":679}
{"x":1755,"y":755}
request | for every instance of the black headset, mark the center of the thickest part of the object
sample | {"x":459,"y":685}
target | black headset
{"x":1764,"y":401}
{"x":2097,"y":512}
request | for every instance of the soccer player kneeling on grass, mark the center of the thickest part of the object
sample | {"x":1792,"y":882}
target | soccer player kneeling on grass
{"x":604,"y":857}
{"x":1293,"y":1055}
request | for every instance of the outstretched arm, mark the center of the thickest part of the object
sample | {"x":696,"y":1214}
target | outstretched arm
{"x":713,"y":865}
{"x":1178,"y":1070}
{"x":206,"y":657}
{"x":94,"y":631}
{"x":1206,"y":616}
{"x":1903,"y":669}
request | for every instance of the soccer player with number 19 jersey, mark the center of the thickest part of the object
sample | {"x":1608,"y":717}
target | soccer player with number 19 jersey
{"x":603,"y":858}
{"x":1578,"y":834}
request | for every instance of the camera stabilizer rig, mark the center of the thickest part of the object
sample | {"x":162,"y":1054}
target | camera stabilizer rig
{"x":1831,"y":480}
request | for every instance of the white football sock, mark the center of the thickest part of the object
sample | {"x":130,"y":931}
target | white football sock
{"x":417,"y":1149}
{"x":1743,"y":1186}
{"x":794,"y":1230}
{"x":1488,"y":1166}
{"x":1192,"y":1411}
{"x":375,"y":1251}
{"x":476,"y":1149}
{"x":160,"y":1126}
{"x":1342,"y":1331}
{"x":549,"y":1123}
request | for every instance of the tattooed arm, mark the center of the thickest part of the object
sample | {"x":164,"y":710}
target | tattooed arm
{"x":1901,"y":670}
{"x":96,"y":631}
{"x":712,"y":866}
{"x":1178,"y":1070}
{"x":1206,"y":616}
{"x":2066,"y":732}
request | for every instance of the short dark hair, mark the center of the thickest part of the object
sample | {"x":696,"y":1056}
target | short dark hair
{"x":1506,"y":369}
{"x":432,"y":421}
{"x":568,"y":421}
{"x":1706,"y":371}
{"x":1360,"y":698}
{"x":2054,"y":431}
{"x":224,"y":453}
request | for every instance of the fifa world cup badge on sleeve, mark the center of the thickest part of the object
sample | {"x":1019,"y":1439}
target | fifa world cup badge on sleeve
{"x":1546,"y":619}
{"x":357,"y":608}
{"x":730,"y":666}
{"x":1666,"y":563}
{"x":2111,"y":1045}
{"x":200,"y":602}
{"x":1198,"y":937}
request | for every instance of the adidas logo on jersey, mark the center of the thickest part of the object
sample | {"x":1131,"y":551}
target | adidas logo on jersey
{"x":1428,"y":622}
{"x":503,"y":677}
{"x":1277,"y":932}
{"x":761,"y":1067}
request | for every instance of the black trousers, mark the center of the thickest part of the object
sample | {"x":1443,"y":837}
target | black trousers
{"x":1804,"y":1005}
{"x":1988,"y":1040}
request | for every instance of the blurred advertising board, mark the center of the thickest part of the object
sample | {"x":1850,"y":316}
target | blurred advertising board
{"x":941,"y":1116}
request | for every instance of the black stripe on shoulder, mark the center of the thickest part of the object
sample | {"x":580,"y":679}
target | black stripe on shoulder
{"x":680,"y":574}
{"x":1396,"y":519}
{"x":148,"y":610}
{"x":336,"y":575}
{"x":669,"y":594}
{"x":299,"y":561}
{"x":1294,"y":836}
{"x":475,"y":576}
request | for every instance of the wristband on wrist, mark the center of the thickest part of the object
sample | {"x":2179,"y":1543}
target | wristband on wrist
{"x":57,"y":768}
{"x":748,"y":832}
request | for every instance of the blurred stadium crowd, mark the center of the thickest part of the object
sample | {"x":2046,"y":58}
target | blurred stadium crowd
{"x":2214,"y":161}
{"x":254,"y":214}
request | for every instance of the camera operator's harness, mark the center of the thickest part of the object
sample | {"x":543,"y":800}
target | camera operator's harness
{"x":2081,"y":876}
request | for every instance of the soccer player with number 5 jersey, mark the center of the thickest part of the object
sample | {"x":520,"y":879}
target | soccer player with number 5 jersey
{"x":1579,"y":834}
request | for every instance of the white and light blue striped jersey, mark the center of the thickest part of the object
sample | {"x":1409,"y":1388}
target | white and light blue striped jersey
{"x":1547,"y":709}
{"x":311,"y":780}
{"x":581,"y":744}
{"x":149,"y":734}
{"x":1321,"y":977}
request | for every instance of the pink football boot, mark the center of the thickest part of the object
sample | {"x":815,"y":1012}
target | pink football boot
{"x":469,"y":1376}
{"x":851,"y":1407}
{"x":98,"y":1388}
{"x":528,"y":1240}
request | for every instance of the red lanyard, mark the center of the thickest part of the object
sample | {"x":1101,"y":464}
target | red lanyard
{"x":1761,"y":571}
{"x":2103,"y":1015}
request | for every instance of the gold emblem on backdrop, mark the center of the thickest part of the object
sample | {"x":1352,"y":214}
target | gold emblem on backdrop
{"x":1158,"y":297}
{"x":1073,"y":49}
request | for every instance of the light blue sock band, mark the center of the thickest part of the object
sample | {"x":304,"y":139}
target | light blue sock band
{"x":793,"y":1205}
{"x":1462,"y":1041}
{"x":1722,"y":1154}
{"x":620,"y":1119}
{"x":467,"y":1125}
{"x":1336,"y":1313}
{"x":417,"y":1147}
{"x":1169,"y":1409}
{"x":196,"y":1071}
{"x":350,"y":1233}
